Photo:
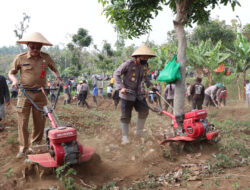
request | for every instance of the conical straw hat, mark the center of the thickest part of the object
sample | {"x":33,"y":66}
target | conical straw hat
{"x":35,"y":37}
{"x":143,"y":50}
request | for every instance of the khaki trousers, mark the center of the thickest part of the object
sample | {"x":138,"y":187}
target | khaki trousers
{"x":24,"y":106}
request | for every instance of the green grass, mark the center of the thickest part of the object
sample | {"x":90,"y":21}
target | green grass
{"x":233,"y":151}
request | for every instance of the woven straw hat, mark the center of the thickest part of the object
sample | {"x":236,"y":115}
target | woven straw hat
{"x":143,"y":50}
{"x":35,"y":37}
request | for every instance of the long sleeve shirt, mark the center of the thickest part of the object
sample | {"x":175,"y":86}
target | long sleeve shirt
{"x":85,"y":87}
{"x":211,"y":91}
{"x":4,"y":90}
{"x":95,"y":91}
{"x":78,"y":88}
{"x":133,"y":74}
{"x":169,"y":92}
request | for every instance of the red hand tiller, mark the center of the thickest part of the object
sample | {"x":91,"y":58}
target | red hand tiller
{"x":61,"y":141}
{"x":195,"y":126}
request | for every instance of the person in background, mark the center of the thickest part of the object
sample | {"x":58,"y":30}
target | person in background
{"x":78,"y":90}
{"x":210,"y":94}
{"x":14,"y":92}
{"x":112,"y":80}
{"x":84,"y":91}
{"x":197,"y":92}
{"x":74,"y":85}
{"x":188,"y":93}
{"x":109,"y":91}
{"x":69,"y":83}
{"x":4,"y":98}
{"x":152,"y":96}
{"x":95,"y":94}
{"x":52,"y":92}
{"x":247,"y":93}
{"x":67,"y":97}
{"x":48,"y":84}
{"x":94,"y":79}
{"x":169,"y":96}
{"x":159,"y":88}
{"x":222,"y":96}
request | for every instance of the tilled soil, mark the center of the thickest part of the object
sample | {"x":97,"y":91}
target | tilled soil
{"x":99,"y":127}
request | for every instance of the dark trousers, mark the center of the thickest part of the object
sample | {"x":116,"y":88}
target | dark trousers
{"x":222,"y":101}
{"x":52,"y":98}
{"x":208,"y":101}
{"x":127,"y":107}
{"x":170,"y":102}
{"x":94,"y":99}
{"x":116,"y":98}
{"x":82,"y":98}
{"x":14,"y":94}
{"x":197,"y":104}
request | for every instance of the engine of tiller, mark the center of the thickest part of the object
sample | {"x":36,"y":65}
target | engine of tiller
{"x":63,"y":148}
{"x":195,"y":125}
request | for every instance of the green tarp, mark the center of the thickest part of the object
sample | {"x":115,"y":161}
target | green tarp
{"x":171,"y":72}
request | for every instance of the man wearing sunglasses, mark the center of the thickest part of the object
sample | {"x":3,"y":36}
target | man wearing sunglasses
{"x":33,"y":67}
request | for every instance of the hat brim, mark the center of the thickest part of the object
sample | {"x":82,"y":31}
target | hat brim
{"x":30,"y":41}
{"x":136,"y":55}
{"x":143,"y":51}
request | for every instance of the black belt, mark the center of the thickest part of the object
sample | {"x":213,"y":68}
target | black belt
{"x":32,"y":89}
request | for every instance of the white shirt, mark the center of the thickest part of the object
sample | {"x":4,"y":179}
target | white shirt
{"x":248,"y":88}
{"x":109,"y":89}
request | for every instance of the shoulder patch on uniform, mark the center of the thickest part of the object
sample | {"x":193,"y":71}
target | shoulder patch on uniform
{"x":22,"y":54}
{"x":43,"y":53}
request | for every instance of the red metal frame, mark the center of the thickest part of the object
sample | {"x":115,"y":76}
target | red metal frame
{"x":193,"y":126}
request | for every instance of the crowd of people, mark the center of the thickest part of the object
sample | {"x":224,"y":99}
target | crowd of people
{"x":127,"y":86}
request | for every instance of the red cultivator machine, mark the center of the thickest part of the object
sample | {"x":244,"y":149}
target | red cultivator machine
{"x":195,"y":126}
{"x":61,"y":141}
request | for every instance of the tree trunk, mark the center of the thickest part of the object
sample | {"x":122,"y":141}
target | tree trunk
{"x":238,"y":85}
{"x":210,"y":78}
{"x":199,"y":72}
{"x":179,"y":23}
{"x":244,"y":90}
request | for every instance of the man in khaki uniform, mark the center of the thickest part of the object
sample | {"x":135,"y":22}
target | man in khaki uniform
{"x":32,"y":66}
{"x":133,"y":71}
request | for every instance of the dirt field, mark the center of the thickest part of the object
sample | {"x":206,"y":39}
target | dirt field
{"x":142,"y":164}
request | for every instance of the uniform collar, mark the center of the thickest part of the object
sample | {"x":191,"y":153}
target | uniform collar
{"x":29,"y":56}
{"x":135,"y":62}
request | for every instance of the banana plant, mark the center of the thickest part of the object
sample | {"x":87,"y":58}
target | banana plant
{"x":196,"y":57}
{"x":206,"y":56}
{"x":163,"y":55}
{"x":241,"y":57}
{"x":214,"y":58}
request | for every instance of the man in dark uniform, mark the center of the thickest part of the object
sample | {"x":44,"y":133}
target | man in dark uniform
{"x":134,"y":72}
{"x":4,"y":98}
{"x":197,"y":92}
{"x":84,"y":93}
{"x":32,"y":66}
